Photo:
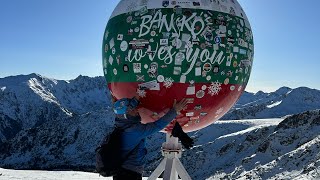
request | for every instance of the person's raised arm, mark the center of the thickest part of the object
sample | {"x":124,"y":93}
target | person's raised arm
{"x":150,"y":128}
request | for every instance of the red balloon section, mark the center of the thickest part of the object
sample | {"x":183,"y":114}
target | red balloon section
{"x":200,"y":113}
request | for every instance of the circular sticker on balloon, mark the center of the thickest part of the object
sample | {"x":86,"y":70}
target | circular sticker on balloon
{"x":217,"y":40}
{"x":207,"y":67}
{"x":178,"y":43}
{"x":115,"y":71}
{"x":200,"y":94}
{"x":124,"y":46}
{"x":129,"y":19}
{"x":208,"y":78}
{"x":226,"y":81}
{"x":160,"y":78}
{"x":235,"y":63}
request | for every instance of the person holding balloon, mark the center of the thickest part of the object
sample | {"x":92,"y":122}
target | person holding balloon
{"x":134,"y":133}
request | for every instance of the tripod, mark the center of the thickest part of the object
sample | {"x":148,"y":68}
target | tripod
{"x":171,"y":165}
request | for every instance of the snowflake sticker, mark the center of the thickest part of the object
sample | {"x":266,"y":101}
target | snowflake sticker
{"x":168,"y":82}
{"x":142,"y":93}
{"x":214,"y":88}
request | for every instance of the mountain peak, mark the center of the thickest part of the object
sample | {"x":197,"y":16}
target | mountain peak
{"x":19,"y":79}
{"x":34,"y":75}
{"x":82,"y":77}
{"x":259,"y":93}
{"x":283,"y":90}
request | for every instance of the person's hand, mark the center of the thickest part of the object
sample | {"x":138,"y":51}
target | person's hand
{"x":180,"y":105}
{"x":137,"y":96}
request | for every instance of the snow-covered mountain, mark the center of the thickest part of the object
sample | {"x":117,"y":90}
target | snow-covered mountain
{"x":284,"y":101}
{"x":290,"y":150}
{"x":52,"y":124}
{"x":32,"y":100}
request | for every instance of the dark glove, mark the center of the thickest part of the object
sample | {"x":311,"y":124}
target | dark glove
{"x":186,"y":141}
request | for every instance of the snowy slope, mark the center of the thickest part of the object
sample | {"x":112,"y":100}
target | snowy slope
{"x":291,"y":150}
{"x":67,"y":144}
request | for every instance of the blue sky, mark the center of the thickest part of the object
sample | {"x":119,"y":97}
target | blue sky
{"x":62,"y":39}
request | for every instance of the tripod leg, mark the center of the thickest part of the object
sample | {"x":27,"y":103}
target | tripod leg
{"x":170,"y":172}
{"x":157,"y":172}
{"x":181,"y":170}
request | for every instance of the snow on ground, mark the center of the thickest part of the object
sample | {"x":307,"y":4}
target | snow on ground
{"x":251,"y":124}
{"x":274,"y":104}
{"x":6,"y":174}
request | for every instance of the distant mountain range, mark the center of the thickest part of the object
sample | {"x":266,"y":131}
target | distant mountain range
{"x":284,"y":101}
{"x":55,"y":124}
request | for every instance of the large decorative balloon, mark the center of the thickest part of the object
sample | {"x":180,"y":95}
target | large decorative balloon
{"x":173,"y":49}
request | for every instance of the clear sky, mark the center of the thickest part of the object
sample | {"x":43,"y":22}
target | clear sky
{"x":62,"y":39}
